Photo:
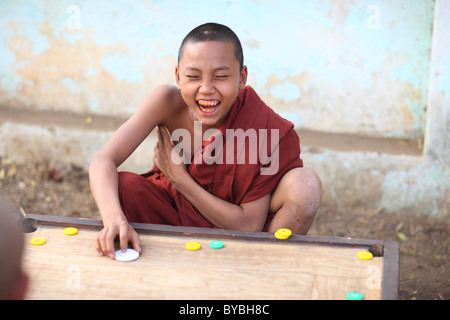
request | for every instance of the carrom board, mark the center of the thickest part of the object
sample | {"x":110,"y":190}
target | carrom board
{"x":251,"y":265}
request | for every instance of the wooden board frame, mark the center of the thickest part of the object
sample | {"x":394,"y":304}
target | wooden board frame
{"x":389,"y":250}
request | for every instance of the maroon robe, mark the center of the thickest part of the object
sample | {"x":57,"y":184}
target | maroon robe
{"x":150,"y":198}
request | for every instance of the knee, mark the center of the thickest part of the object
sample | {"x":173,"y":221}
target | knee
{"x":127,"y":181}
{"x":125,"y":178}
{"x":305,"y":190}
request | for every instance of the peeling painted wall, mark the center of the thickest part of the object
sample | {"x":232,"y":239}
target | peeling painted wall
{"x":437,"y":142}
{"x":355,"y":66}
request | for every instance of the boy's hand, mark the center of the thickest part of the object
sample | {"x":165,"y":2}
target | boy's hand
{"x":162,"y":157}
{"x":126,"y":233}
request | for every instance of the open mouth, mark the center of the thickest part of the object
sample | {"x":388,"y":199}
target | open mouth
{"x":208,"y":106}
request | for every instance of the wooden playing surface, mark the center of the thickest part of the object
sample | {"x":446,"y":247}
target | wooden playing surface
{"x":249,"y":266}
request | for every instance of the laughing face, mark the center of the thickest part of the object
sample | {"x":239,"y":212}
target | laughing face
{"x":209,"y":79}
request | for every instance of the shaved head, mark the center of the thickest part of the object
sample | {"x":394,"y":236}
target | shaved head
{"x":214,"y":32}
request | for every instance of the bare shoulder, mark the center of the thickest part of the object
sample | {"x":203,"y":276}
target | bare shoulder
{"x":162,"y":103}
{"x":173,"y":97}
{"x":166,"y":91}
{"x":167,"y":96}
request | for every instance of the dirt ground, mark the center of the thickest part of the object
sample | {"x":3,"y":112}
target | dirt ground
{"x":46,"y":188}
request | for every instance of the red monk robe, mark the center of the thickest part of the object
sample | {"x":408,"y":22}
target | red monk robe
{"x":150,"y":198}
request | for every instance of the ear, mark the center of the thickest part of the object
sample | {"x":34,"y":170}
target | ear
{"x":243,"y":77}
{"x":177,"y":76}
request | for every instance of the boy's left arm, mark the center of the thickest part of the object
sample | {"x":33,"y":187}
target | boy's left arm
{"x":250,"y":216}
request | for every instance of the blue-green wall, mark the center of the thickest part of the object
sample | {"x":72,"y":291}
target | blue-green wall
{"x":330,"y":65}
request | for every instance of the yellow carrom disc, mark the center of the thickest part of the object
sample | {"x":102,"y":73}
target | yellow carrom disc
{"x":192,"y":246}
{"x":283,"y":233}
{"x":365,"y":255}
{"x":37,"y":241}
{"x":70,"y":231}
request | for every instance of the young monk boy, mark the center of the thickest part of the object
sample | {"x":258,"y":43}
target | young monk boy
{"x":212,"y":180}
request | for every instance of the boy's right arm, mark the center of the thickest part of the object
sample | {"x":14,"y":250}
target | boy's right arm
{"x":103,"y":174}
